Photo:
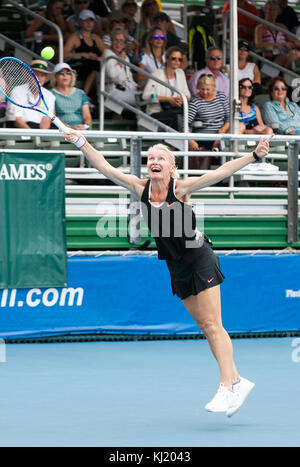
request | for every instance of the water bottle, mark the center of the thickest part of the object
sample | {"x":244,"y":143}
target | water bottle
{"x":153,"y":97}
{"x":38,"y":46}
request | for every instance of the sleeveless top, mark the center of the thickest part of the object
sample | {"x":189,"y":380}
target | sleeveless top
{"x":84,"y":47}
{"x":248,"y":117}
{"x":247,"y":72}
{"x":269,"y":36}
{"x":172,"y":224}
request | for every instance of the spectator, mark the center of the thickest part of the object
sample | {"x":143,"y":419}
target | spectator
{"x":83,"y":50}
{"x":276,"y":46}
{"x":119,"y":19}
{"x":280,"y":113}
{"x":71,"y":103}
{"x":49,"y":35}
{"x":208,"y":113}
{"x":169,"y":108}
{"x":119,"y":81}
{"x":248,"y":69}
{"x":102,"y":8}
{"x":73,"y":21}
{"x":246,"y":25}
{"x":130,"y":8}
{"x":214,"y":65}
{"x":154,"y":56}
{"x":250,"y":115}
{"x":148,"y":11}
{"x":20,"y":117}
{"x":286,"y":16}
{"x":161,"y":20}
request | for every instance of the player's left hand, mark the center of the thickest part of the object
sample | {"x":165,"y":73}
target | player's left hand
{"x":262,"y":148}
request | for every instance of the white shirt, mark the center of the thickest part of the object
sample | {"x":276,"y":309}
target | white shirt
{"x":179,"y":83}
{"x":150,"y":63}
{"x":23,"y":96}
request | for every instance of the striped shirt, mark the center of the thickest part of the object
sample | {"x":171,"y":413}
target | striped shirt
{"x":212,"y":114}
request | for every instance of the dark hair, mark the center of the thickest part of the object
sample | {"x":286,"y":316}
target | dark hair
{"x":251,"y":98}
{"x":272,"y":84}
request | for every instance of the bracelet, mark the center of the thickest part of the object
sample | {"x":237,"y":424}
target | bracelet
{"x":296,"y":133}
{"x":80,"y":142}
{"x":255,"y":156}
{"x":86,"y":126}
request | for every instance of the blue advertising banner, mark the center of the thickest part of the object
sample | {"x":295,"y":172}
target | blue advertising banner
{"x":132,"y":294}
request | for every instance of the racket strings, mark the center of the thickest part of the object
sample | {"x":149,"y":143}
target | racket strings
{"x":12,"y":75}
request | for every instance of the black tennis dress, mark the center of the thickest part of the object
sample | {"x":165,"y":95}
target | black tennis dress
{"x":192,"y":263}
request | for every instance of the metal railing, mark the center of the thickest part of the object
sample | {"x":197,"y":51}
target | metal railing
{"x":137,"y":137}
{"x":45,"y":21}
{"x":253,"y":54}
{"x":21,"y":52}
{"x":134,"y":109}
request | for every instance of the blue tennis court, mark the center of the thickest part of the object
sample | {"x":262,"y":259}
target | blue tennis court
{"x":146,"y":393}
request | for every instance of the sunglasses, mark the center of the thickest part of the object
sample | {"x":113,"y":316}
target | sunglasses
{"x":130,"y":4}
{"x":64,"y":73}
{"x":150,"y":4}
{"x":215,"y":57}
{"x":209,"y":75}
{"x":278,"y":88}
{"x":244,"y":86}
{"x":159,"y":36}
{"x":175,"y":58}
{"x":81,"y":2}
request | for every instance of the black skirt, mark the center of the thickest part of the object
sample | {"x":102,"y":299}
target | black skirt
{"x":198,"y":270}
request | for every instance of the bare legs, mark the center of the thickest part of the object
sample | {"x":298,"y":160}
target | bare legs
{"x":205,"y":308}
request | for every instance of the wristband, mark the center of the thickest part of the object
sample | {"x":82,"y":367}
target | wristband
{"x":296,"y":133}
{"x":80,"y":142}
{"x":255,"y":156}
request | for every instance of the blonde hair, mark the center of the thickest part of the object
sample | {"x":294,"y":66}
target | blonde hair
{"x":72,"y":83}
{"x":163,"y":147}
{"x":206,"y":78}
{"x":148,"y":46}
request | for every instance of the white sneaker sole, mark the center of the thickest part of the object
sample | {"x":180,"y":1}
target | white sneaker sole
{"x":234,"y":409}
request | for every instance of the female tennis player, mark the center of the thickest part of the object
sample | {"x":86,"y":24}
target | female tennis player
{"x":193,"y":266}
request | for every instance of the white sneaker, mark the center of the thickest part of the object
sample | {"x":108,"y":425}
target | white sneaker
{"x":221,"y":401}
{"x":241,"y":391}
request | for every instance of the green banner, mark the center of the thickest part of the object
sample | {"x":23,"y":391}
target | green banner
{"x":32,"y":220}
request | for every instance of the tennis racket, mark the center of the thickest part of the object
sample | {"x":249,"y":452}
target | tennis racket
{"x":15,"y":73}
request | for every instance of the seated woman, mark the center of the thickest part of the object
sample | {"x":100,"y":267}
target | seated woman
{"x":73,"y":21}
{"x":83,"y":51}
{"x":276,"y":46}
{"x":250,"y":114}
{"x":280,"y":113}
{"x":119,"y":81}
{"x":49,"y":35}
{"x":208,"y":113}
{"x":169,"y":108}
{"x":71,"y":104}
{"x":154,"y":56}
{"x":247,"y":69}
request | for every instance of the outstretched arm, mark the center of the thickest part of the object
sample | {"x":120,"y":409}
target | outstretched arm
{"x":188,"y":186}
{"x":131,"y":182}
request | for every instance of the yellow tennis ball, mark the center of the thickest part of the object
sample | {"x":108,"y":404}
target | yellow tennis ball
{"x":47,"y":53}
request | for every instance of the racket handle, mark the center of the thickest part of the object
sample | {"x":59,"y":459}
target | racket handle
{"x":57,"y":122}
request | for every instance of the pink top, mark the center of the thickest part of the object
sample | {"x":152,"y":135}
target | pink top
{"x":276,"y":36}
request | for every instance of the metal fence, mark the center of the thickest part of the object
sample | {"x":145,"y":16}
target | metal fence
{"x":135,"y":154}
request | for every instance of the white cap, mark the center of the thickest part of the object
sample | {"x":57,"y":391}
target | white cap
{"x":86,"y":14}
{"x":61,"y":66}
